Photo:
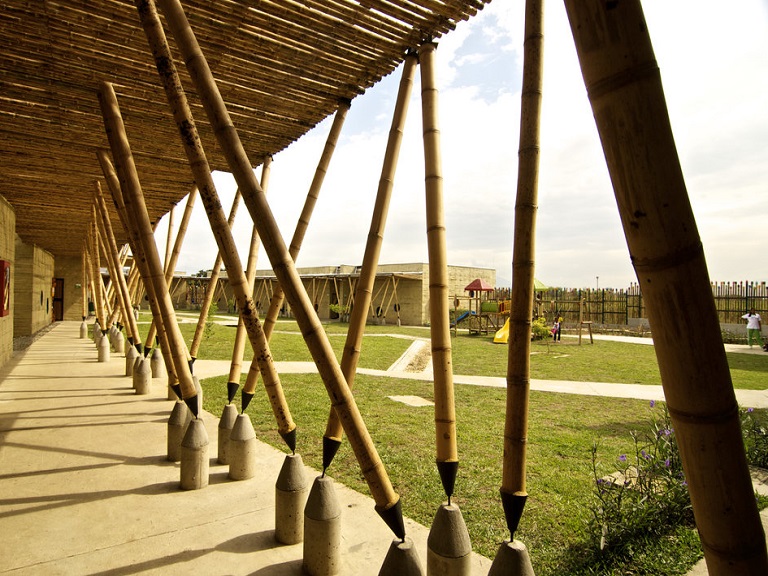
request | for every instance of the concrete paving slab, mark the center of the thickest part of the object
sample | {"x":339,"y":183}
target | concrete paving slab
{"x":85,"y":487}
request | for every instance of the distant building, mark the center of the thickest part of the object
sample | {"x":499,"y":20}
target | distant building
{"x":400,"y":292}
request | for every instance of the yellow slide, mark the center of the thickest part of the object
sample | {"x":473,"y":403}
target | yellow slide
{"x":502,"y":336}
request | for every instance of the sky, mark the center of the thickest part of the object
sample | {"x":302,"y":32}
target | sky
{"x":714,"y":68}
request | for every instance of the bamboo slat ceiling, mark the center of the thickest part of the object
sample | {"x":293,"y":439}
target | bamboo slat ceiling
{"x":281,"y":66}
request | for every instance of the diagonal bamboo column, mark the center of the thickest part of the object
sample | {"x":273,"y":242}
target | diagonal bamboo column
{"x":205,"y":305}
{"x":136,"y":209}
{"x":439,"y":316}
{"x":513,"y":490}
{"x":140,"y":267}
{"x":276,"y":302}
{"x":387,"y":500}
{"x":624,"y":87}
{"x":169,"y":237}
{"x":84,"y":285}
{"x":128,"y":318}
{"x":89,"y":266}
{"x":238,"y":350}
{"x":202,"y":175}
{"x":354,"y":340}
{"x":96,"y":274}
{"x":174,"y":257}
{"x":112,"y":294}
{"x":110,"y":310}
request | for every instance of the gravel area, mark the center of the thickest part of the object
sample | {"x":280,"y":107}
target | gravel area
{"x":24,"y":342}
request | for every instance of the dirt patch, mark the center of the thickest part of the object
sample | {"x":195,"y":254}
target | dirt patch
{"x":420,"y":361}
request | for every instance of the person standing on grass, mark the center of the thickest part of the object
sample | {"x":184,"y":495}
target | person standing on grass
{"x":754,"y":327}
{"x":557,"y":328}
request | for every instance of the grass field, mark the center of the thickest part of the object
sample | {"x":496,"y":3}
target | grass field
{"x":562,"y":432}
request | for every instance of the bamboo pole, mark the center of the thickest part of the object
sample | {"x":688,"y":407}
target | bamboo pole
{"x":513,"y":489}
{"x":122,"y":285}
{"x":353,"y":343}
{"x":84,"y":285}
{"x":140,"y":268}
{"x":205,"y":305}
{"x":236,"y":366}
{"x":238,"y":350}
{"x":112,"y":296}
{"x":96,"y":272}
{"x":169,"y":236}
{"x":109,"y":310}
{"x":387,"y":500}
{"x":276,"y":302}
{"x":439,"y":315}
{"x":223,"y":235}
{"x":174,"y":257}
{"x":624,"y":87}
{"x":134,"y":202}
{"x":89,"y":267}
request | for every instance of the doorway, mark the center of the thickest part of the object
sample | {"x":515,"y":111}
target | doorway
{"x":58,"y":299}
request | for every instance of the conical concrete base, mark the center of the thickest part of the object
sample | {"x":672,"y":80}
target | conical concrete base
{"x":291,"y":490}
{"x":156,"y":363}
{"x":83,"y":330}
{"x":194,"y":457}
{"x":142,"y":376}
{"x":130,"y":359}
{"x":226,"y":423}
{"x":511,"y":560}
{"x":104,"y":353}
{"x":118,"y":343}
{"x":242,"y":449}
{"x":401,"y":560}
{"x":449,"y":551}
{"x":322,"y":529}
{"x":177,"y":426}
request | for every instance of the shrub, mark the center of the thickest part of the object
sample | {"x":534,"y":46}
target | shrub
{"x":648,"y":494}
{"x":540,"y":329}
{"x":754,"y":428}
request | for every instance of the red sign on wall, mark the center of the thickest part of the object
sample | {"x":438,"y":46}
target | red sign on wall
{"x":5,"y":288}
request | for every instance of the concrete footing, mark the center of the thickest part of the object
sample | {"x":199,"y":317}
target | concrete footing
{"x":449,"y":550}
{"x":130,"y":359}
{"x":177,"y":426}
{"x":103,"y":348}
{"x":511,"y":560}
{"x":118,"y":342}
{"x":156,"y":363}
{"x":142,"y":376}
{"x":84,"y":330}
{"x":322,"y":530}
{"x":242,"y":449}
{"x":401,"y":560}
{"x":226,"y":423}
{"x":194,"y":457}
{"x":291,"y":491}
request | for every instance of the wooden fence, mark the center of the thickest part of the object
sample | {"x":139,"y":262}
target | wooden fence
{"x":608,"y":306}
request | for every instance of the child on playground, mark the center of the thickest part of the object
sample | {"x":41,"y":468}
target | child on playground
{"x":557,"y":327}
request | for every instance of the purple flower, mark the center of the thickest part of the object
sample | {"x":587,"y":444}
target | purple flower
{"x":750,"y":409}
{"x":653,"y":403}
{"x":623,"y":458}
{"x":666,"y":462}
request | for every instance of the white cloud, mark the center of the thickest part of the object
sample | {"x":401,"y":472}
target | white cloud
{"x":714,"y":65}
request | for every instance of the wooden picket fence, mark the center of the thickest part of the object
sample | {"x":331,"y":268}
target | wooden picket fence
{"x":609,"y":306}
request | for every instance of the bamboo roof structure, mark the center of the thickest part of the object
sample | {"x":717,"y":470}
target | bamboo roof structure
{"x":282,"y":67}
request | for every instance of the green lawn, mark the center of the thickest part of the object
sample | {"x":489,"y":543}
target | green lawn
{"x":562,"y":431}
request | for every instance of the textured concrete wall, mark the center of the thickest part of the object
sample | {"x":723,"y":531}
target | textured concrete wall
{"x":7,"y":252}
{"x":70,"y":268}
{"x":32,"y":289}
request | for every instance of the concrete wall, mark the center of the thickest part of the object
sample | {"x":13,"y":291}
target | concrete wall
{"x":32,"y":289}
{"x":70,"y":268}
{"x":7,"y":252}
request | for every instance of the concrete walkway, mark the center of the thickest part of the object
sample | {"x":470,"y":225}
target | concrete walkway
{"x":85,"y":487}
